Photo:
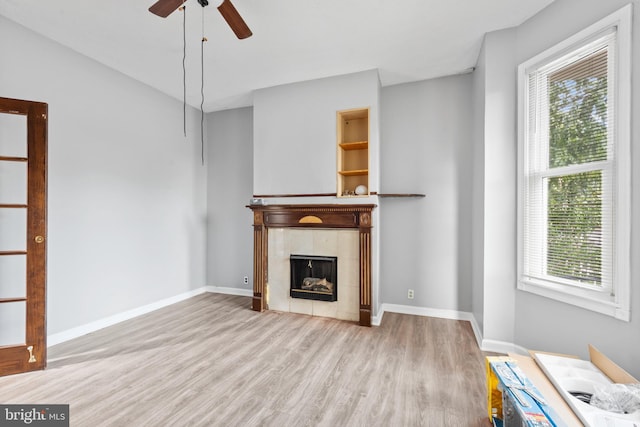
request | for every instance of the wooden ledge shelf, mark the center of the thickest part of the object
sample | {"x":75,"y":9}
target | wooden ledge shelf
{"x":401,"y":195}
{"x":13,"y":206}
{"x":4,"y":253}
{"x":17,"y":299}
{"x":14,"y":159}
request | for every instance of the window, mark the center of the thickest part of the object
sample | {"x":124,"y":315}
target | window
{"x":573,"y":171}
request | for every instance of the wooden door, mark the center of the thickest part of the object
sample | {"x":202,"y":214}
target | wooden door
{"x":23,"y":231}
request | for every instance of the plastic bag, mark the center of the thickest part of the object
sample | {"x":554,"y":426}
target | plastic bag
{"x":618,"y":398}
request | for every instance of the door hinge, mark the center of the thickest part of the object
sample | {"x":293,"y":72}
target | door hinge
{"x":32,"y":358}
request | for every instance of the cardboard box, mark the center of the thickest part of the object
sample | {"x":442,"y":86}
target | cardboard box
{"x":513,"y":400}
{"x":560,"y":400}
{"x":542,"y":383}
{"x":575,"y":380}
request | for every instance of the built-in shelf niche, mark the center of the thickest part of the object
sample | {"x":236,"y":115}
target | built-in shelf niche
{"x":352,"y":151}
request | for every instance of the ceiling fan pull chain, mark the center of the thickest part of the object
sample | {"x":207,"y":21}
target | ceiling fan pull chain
{"x":204,"y":39}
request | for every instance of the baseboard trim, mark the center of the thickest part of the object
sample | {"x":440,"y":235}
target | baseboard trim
{"x":484,"y":344}
{"x":79,"y":331}
{"x":229,"y":291}
{"x":477,"y":332}
{"x":375,"y":320}
{"x":502,"y":347}
{"x":425,"y":311}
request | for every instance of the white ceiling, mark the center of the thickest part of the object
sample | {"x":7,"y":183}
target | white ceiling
{"x":293,"y":40}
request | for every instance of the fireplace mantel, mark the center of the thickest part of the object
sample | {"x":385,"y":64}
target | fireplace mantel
{"x":322,"y":216}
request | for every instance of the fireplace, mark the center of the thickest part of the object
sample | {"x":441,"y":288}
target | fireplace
{"x":312,"y":217}
{"x":314,"y":277}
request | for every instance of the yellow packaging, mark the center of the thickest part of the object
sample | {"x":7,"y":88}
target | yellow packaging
{"x":494,"y":395}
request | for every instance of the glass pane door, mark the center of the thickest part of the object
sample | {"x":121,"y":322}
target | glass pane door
{"x":13,"y":229}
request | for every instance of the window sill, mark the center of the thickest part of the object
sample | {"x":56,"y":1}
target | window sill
{"x":589,"y":300}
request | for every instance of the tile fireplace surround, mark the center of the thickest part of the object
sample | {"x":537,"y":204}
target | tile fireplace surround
{"x":314,"y":217}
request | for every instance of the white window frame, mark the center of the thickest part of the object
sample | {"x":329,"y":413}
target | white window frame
{"x":616,"y":301}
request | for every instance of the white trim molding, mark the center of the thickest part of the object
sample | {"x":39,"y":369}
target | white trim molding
{"x":496,"y":346}
{"x":484,"y":344}
{"x":230,"y":291}
{"x":430,"y":312}
{"x":96,"y":325}
{"x":425,"y":311}
{"x":85,"y":329}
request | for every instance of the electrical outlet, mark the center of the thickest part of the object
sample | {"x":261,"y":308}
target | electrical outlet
{"x":246,"y":280}
{"x":410,"y":294}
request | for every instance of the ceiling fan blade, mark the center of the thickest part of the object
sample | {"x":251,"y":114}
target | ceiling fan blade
{"x":163,"y":8}
{"x":235,"y":21}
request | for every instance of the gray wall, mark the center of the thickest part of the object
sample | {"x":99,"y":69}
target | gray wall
{"x":295,"y":132}
{"x":427,"y":148}
{"x":477,"y":205}
{"x":229,"y":188}
{"x":541,"y":322}
{"x":498,"y":188}
{"x":126,"y":188}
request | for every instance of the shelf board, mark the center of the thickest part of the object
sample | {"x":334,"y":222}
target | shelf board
{"x":354,"y":172}
{"x":401,"y":195}
{"x":13,"y":252}
{"x":14,"y":159}
{"x":357,"y":145}
{"x":17,"y":299}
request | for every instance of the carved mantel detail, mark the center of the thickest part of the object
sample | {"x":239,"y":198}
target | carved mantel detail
{"x":356,"y":216}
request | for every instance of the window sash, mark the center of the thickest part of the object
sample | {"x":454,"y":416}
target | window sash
{"x":536,"y":220}
{"x":539,"y":173}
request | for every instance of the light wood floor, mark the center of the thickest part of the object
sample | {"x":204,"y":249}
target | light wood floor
{"x":210,"y":361}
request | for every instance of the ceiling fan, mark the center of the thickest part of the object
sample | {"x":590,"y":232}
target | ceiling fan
{"x":163,"y":8}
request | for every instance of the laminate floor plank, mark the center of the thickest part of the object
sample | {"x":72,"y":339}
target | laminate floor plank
{"x":211,"y":361}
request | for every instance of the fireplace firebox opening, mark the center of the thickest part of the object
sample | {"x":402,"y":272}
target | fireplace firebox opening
{"x":314,"y":277}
